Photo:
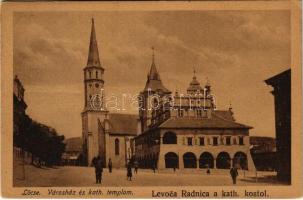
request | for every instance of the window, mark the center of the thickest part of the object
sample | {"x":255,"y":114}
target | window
{"x":117,"y":146}
{"x":241,"y":141}
{"x":90,"y":74}
{"x":208,"y":141}
{"x":180,"y":113}
{"x":96,"y":74}
{"x":189,"y":141}
{"x":215,"y":141}
{"x":227,"y":140}
{"x":155,"y":104}
{"x":199,"y":113}
{"x":169,"y":138}
{"x":97,"y":85}
{"x":201,"y":141}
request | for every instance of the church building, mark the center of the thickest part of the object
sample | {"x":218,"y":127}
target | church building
{"x":105,"y":134}
{"x":186,"y":130}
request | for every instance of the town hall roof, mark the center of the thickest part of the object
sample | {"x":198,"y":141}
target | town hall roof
{"x":225,"y":114}
{"x":194,"y":85}
{"x":216,"y":121}
{"x":123,"y":124}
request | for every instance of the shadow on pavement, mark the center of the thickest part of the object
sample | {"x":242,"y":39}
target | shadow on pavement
{"x":264,"y":179}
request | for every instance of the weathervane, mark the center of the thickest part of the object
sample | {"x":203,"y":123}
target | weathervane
{"x":153,"y":48}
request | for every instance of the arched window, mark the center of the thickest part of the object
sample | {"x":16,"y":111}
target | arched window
{"x":223,"y":160}
{"x":240,"y":160}
{"x":117,"y":149}
{"x":189,"y":160}
{"x":169,"y":138}
{"x":171,"y":160}
{"x":206,"y":160}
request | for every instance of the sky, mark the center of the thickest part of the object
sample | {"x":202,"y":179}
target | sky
{"x":235,"y":50}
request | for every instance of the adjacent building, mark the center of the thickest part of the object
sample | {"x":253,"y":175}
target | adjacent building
{"x":282,"y":99}
{"x":263,"y":152}
{"x":73,"y":152}
{"x":19,"y":122}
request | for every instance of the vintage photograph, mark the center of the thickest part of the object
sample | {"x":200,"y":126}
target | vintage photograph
{"x":152,"y":98}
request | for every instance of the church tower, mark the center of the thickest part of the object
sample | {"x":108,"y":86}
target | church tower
{"x":94,"y":112}
{"x":153,"y":87}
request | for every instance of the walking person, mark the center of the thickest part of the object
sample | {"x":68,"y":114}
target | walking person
{"x":136,"y":165}
{"x":110,"y":165}
{"x":234,"y":174}
{"x":129,"y":171}
{"x":94,"y":161}
{"x":154,"y":167}
{"x":208,"y":170}
{"x":98,"y":169}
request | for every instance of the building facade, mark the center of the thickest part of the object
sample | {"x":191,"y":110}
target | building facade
{"x":282,"y":99}
{"x":186,"y":130}
{"x":105,"y":134}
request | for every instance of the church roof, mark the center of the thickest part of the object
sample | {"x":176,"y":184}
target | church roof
{"x":93,"y":53}
{"x":215,"y":122}
{"x":123,"y":123}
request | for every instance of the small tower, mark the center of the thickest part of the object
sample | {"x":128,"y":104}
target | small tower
{"x":153,"y":86}
{"x":207,"y":87}
{"x":194,"y":86}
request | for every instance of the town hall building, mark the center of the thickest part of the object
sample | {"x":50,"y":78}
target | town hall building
{"x":186,"y":130}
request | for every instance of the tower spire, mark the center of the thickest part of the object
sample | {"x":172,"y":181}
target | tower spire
{"x":153,"y":73}
{"x":93,"y":53}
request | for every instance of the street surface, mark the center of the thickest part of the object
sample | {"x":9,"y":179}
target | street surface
{"x":84,"y":176}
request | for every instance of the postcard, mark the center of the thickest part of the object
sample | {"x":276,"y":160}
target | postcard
{"x":151,"y":99}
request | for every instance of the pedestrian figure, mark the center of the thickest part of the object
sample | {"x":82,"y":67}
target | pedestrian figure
{"x":110,"y":165}
{"x":154,"y":167}
{"x":94,"y":161}
{"x":129,"y":171}
{"x":136,"y":167}
{"x":208,"y":170}
{"x":174,"y":169}
{"x":98,"y":169}
{"x":234,"y":174}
